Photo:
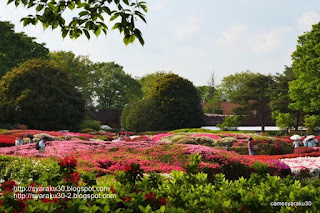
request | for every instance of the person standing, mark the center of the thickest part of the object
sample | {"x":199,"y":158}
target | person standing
{"x":250,"y":147}
{"x":296,"y":143}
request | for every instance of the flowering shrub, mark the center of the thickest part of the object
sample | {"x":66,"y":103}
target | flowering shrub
{"x":301,"y":150}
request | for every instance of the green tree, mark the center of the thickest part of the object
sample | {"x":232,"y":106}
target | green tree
{"x":284,"y":121}
{"x":311,"y":122}
{"x":172,"y":103}
{"x":113,"y":87}
{"x":16,"y":48}
{"x":142,"y":116}
{"x":88,"y":16}
{"x":230,"y":123}
{"x":79,"y":69}
{"x":305,"y":90}
{"x":251,"y":91}
{"x":147,"y":81}
{"x":280,"y":99}
{"x":39,"y":94}
{"x":179,"y":101}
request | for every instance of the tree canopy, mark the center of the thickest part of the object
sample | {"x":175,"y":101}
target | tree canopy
{"x":40,"y":94}
{"x":147,"y":81}
{"x":305,"y":90}
{"x":89,"y":16}
{"x":79,"y":69}
{"x":113,"y":87}
{"x":250,"y":90}
{"x":16,"y":48}
{"x":172,"y":103}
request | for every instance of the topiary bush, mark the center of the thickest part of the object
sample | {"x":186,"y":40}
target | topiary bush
{"x":172,"y":103}
{"x":227,"y":141}
{"x":187,"y":140}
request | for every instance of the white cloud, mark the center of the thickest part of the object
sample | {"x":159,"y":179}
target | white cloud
{"x":307,"y":20}
{"x":159,"y":6}
{"x":232,"y":35}
{"x":269,"y":41}
{"x":191,"y":26}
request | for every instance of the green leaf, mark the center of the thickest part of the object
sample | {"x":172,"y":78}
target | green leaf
{"x":97,"y":31}
{"x":64,"y":33}
{"x":114,"y":16}
{"x":26,"y":21}
{"x":83,"y":13}
{"x":126,"y":2}
{"x":39,"y":7}
{"x":86,"y":33}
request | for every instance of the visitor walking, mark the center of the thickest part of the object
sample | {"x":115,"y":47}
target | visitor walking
{"x":250,"y":147}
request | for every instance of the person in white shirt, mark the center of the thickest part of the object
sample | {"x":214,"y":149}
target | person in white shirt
{"x":42,"y":144}
{"x":296,"y":143}
{"x":17,"y":142}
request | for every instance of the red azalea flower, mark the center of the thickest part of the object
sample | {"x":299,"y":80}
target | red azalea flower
{"x":127,"y":199}
{"x":8,"y":185}
{"x":112,"y":190}
{"x":162,"y":201}
{"x":150,"y":196}
{"x":75,"y":177}
{"x":68,"y":161}
{"x":127,"y":168}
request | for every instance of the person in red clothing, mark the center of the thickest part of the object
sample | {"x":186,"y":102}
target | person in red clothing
{"x":250,"y":147}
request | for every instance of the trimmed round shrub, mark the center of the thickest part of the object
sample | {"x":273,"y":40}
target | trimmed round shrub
{"x":172,"y":103}
{"x":227,"y":141}
{"x":204,"y":140}
{"x":187,"y":141}
{"x":242,"y":150}
{"x":179,"y":102}
{"x":176,"y":138}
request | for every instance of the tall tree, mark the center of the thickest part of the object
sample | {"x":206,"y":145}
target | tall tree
{"x":280,"y":99}
{"x":113,"y":87}
{"x":251,"y":91}
{"x":147,"y":81}
{"x":305,"y":90}
{"x":79,"y":69}
{"x":88,"y":16}
{"x":16,"y":48}
{"x":39,"y":94}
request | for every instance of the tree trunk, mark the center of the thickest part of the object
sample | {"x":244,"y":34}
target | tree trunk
{"x":262,"y":110}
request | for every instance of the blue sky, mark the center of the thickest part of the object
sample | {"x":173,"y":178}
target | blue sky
{"x":196,"y":38}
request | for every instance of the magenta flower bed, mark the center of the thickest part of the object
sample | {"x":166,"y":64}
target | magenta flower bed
{"x":65,"y":148}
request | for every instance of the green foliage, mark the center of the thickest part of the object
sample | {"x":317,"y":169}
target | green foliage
{"x":280,"y":98}
{"x":39,"y":94}
{"x":88,"y":17}
{"x":172,"y":103}
{"x":312,"y":122}
{"x":113,"y":87}
{"x":305,"y":90}
{"x":27,"y":170}
{"x":16,"y":48}
{"x":227,"y":141}
{"x":91,"y":124}
{"x":147,"y":81}
{"x":79,"y":70}
{"x":229,"y":123}
{"x":187,"y":140}
{"x":179,"y":102}
{"x":251,"y":90}
{"x":284,"y":121}
{"x":141,"y":116}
